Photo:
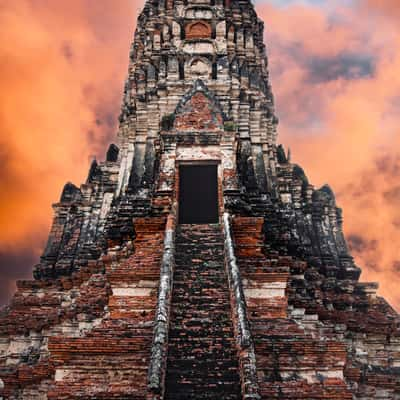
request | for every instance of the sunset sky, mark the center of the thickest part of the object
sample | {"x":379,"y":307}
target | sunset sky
{"x":335,"y":72}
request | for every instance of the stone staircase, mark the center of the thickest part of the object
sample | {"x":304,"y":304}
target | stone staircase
{"x":202,"y":356}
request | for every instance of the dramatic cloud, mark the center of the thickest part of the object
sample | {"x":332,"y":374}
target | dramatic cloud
{"x":63,"y":65}
{"x":16,"y":263}
{"x":344,"y":66}
{"x":334,"y":71}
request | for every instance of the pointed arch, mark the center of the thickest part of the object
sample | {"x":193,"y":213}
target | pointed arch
{"x":198,"y":30}
{"x":199,"y":110}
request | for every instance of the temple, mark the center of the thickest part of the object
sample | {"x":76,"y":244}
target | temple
{"x":197,"y":261}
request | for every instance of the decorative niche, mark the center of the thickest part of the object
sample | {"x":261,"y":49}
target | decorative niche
{"x":198,"y":30}
{"x":199,"y":67}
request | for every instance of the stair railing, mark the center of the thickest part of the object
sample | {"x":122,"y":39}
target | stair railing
{"x":247,"y":358}
{"x":159,"y":349}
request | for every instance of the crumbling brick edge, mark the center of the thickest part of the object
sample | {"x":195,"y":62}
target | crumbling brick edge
{"x":159,"y":349}
{"x":247,"y":358}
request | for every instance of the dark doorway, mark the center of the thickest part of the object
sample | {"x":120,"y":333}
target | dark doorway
{"x":198,"y":194}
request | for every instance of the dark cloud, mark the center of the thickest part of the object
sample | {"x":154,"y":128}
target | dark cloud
{"x":359,"y":244}
{"x":396,"y":223}
{"x":368,"y":185}
{"x":388,"y":164}
{"x":342,"y":66}
{"x":66,"y":51}
{"x":389,"y":9}
{"x":372,"y":266}
{"x":396,"y":266}
{"x":14,"y":265}
{"x":5,"y":155}
{"x":392,"y":195}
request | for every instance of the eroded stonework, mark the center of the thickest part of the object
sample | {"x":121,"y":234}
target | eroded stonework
{"x":127,"y":303}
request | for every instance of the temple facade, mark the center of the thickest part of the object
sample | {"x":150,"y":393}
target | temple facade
{"x":197,"y":261}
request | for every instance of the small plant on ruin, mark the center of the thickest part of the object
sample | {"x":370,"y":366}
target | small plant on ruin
{"x":230,"y":126}
{"x":167,"y":122}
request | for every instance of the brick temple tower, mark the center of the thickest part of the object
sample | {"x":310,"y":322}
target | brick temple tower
{"x":198,"y":262}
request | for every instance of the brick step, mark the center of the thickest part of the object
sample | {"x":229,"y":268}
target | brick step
{"x":199,"y":365}
{"x":203,"y":242}
{"x":190,"y":339}
{"x":190,"y":316}
{"x":178,"y":342}
{"x":214,"y":379}
{"x":201,"y":245}
{"x":199,"y":275}
{"x":218,"y":391}
{"x":205,"y":302}
{"x":197,"y":333}
{"x":191,"y":242}
{"x":182,"y":384}
{"x":193,"y":357}
{"x":187,"y":240}
{"x":198,"y":229}
{"x":187,"y":318}
{"x":187,"y":237}
{"x":201,"y":295}
{"x":202,"y":288}
{"x":216,"y":394}
{"x":190,"y":265}
{"x":203,"y":396}
{"x":183,"y":322}
{"x":192,"y":312}
{"x":213,"y":350}
{"x":213,"y":283}
{"x":221,"y":380}
{"x":200,"y":272}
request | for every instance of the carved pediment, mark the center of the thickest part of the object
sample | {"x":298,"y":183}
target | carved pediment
{"x":199,"y":111}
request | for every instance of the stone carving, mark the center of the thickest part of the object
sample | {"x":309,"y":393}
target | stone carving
{"x":198,"y":114}
{"x":200,"y":67}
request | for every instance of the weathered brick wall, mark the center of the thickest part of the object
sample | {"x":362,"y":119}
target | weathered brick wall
{"x":307,"y":333}
{"x":291,"y":363}
{"x":88,"y":335}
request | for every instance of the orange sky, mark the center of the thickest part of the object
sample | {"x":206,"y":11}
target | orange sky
{"x":335,"y":75}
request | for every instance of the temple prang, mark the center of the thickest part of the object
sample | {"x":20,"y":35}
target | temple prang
{"x":198,"y":261}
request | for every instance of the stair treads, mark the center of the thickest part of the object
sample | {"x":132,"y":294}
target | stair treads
{"x":202,"y":357}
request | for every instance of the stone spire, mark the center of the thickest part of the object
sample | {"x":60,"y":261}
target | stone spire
{"x":259,"y":299}
{"x":178,"y":43}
